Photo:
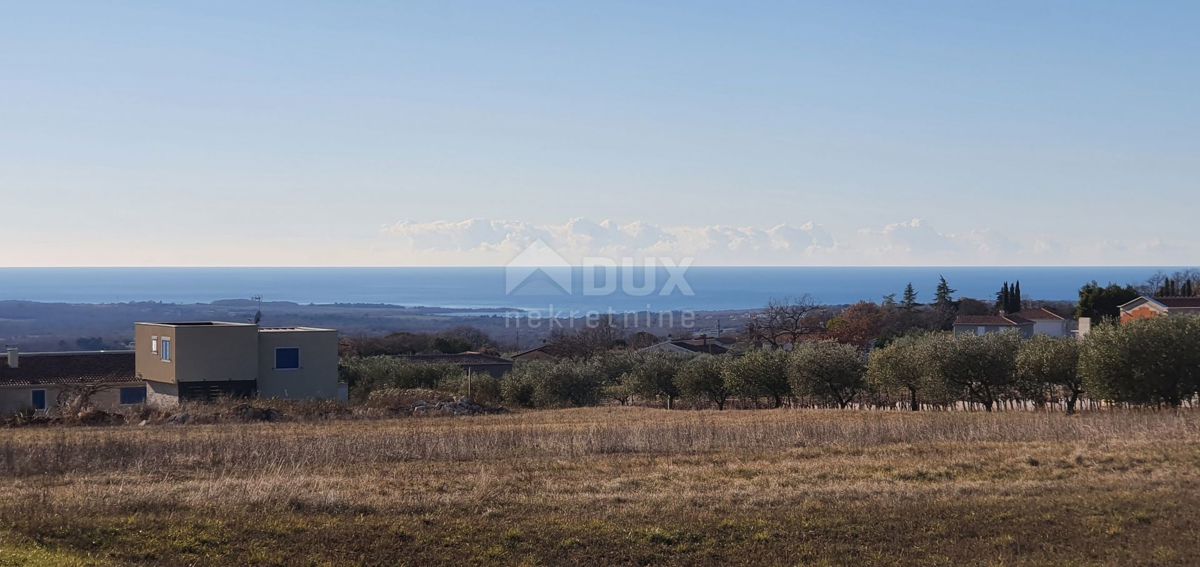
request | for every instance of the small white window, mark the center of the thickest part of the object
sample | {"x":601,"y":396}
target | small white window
{"x":154,"y":344}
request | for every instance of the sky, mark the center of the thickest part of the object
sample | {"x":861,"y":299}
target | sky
{"x":728,"y":133}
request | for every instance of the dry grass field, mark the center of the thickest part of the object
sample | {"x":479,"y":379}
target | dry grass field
{"x":605,"y":486}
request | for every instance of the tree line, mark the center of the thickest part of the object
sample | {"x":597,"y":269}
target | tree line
{"x":1153,"y":362}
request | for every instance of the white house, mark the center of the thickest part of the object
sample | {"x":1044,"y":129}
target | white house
{"x":1046,"y":322}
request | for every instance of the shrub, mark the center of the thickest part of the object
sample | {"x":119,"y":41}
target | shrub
{"x":553,"y":384}
{"x":365,"y":374}
{"x":517,"y":388}
{"x":480,"y":387}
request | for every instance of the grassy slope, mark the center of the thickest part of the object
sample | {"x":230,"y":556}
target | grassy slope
{"x":612,"y":486}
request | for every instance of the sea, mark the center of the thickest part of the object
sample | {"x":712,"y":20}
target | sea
{"x":571,"y":289}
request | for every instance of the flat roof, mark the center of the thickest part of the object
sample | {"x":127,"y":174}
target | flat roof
{"x":229,"y":324}
{"x":291,"y":329}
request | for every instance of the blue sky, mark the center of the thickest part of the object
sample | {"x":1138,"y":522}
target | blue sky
{"x":445,"y":133}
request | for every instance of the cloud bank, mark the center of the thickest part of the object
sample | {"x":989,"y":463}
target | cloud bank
{"x":911,"y":242}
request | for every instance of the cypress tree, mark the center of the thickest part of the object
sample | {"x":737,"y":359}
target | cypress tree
{"x":1002,"y":299}
{"x":1187,"y":289}
{"x":1016,"y":298}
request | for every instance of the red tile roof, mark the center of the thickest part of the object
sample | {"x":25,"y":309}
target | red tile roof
{"x":1179,"y":302}
{"x":1039,"y":314}
{"x":35,"y":368}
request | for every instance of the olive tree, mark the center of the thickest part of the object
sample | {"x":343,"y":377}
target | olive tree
{"x":1048,"y":369}
{"x":613,"y":367}
{"x":552,"y":384}
{"x":759,"y":373}
{"x":979,"y":368}
{"x":703,"y":377}
{"x":828,"y":370}
{"x":1147,"y":361}
{"x":905,"y":365}
{"x":654,"y":377}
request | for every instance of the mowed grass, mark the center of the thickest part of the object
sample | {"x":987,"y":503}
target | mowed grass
{"x":605,"y":486}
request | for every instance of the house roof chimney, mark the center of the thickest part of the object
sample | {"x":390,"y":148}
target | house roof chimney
{"x":14,"y":356}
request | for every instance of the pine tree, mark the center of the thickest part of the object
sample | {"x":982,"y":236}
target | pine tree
{"x":943,"y":298}
{"x":944,"y":305}
{"x":909,"y":302}
{"x":889,"y":300}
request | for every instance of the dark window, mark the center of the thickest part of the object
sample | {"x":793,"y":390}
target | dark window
{"x":212,"y":391}
{"x":287,"y":358}
{"x":132,"y":396}
{"x":166,"y":350}
{"x":39,"y":399}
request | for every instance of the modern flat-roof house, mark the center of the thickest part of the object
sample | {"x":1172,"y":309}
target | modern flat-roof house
{"x":202,"y":361}
{"x":1146,"y":307}
{"x":473,"y":362}
{"x":36,"y":380}
{"x":984,"y":324}
{"x":1046,"y":322}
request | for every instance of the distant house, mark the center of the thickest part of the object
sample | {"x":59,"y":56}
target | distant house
{"x":473,"y":362}
{"x":1145,"y":307}
{"x":35,"y":380}
{"x":703,"y":345}
{"x":202,"y":361}
{"x":543,"y":352}
{"x":1046,"y":322}
{"x":985,"y":324}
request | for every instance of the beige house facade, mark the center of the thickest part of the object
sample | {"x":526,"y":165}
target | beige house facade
{"x":206,"y":360}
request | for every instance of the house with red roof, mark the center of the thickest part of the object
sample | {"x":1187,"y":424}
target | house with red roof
{"x":987,"y":324}
{"x":1146,"y":307}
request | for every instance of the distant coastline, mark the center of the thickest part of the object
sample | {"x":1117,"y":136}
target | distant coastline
{"x":460,"y":289}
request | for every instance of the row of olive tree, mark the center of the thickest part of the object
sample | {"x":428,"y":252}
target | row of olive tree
{"x":1153,"y":361}
{"x":830,"y":372}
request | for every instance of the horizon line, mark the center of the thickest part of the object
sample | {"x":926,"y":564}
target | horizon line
{"x":501,"y":266}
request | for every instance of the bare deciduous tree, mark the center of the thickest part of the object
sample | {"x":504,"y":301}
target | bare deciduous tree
{"x":783,"y":321}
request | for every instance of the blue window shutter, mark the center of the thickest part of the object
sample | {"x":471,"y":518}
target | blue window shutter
{"x":132,"y":396}
{"x":287,"y":358}
{"x":39,"y":399}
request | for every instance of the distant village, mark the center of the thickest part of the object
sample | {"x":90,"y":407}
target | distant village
{"x":168,"y":363}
